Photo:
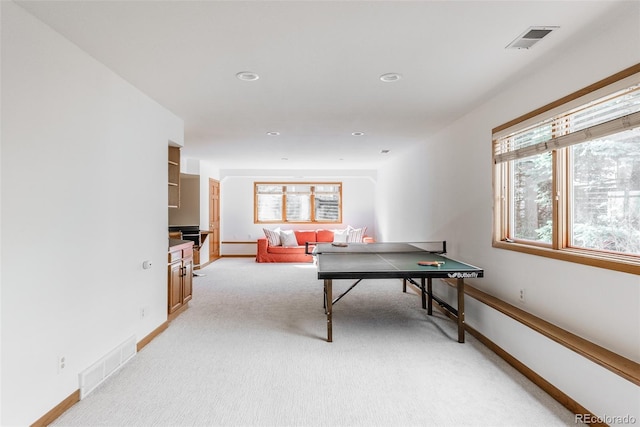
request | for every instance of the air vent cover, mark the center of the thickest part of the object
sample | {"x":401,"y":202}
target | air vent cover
{"x":530,"y":37}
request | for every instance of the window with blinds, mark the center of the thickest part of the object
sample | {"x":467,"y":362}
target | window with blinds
{"x":297,"y":202}
{"x":598,"y":119}
{"x":567,"y":180}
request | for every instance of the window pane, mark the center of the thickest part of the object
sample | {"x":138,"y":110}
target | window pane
{"x":298,"y":207}
{"x":269,"y":207}
{"x":531,"y":137}
{"x":606,"y":193}
{"x":327,"y":207}
{"x":531,"y":208}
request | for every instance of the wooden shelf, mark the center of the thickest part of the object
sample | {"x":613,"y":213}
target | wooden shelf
{"x":174,"y":176}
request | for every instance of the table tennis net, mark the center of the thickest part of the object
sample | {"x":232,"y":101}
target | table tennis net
{"x":436,"y":247}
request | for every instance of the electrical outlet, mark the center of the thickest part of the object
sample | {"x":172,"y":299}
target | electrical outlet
{"x":62,"y":363}
{"x":143,"y":312}
{"x":521,"y":296}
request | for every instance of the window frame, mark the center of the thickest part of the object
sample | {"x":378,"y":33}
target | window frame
{"x":561,"y":189}
{"x":312,"y":202}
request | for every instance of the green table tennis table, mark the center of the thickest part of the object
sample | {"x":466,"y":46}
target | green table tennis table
{"x":423,"y":261}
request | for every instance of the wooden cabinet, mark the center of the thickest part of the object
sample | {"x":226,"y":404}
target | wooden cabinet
{"x":174,"y":177}
{"x":187,"y":277}
{"x":180,"y":277}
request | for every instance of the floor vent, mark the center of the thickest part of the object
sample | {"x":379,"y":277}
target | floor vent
{"x":530,"y":37}
{"x":93,"y":376}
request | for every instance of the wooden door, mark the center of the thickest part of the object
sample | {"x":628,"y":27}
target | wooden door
{"x":175,"y":286}
{"x":214,"y":219}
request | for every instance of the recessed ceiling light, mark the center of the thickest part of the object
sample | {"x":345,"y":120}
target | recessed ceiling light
{"x":273,"y":133}
{"x":390,"y":77}
{"x":357,"y":133}
{"x":284,"y":158}
{"x":247,"y":76}
{"x":384,"y":151}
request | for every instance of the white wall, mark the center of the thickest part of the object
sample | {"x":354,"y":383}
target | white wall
{"x":358,"y":194}
{"x":452,"y":198}
{"x":84,"y":203}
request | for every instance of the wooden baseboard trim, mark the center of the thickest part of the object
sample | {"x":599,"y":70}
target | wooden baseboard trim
{"x":74,"y":397}
{"x":58,"y":410}
{"x":252,"y":242}
{"x":531,"y":375}
{"x":239,"y":256}
{"x":545,"y":385}
{"x":177,"y":313}
{"x":529,"y":320}
{"x":199,"y":266}
{"x":157,"y":331}
{"x":626,"y":368}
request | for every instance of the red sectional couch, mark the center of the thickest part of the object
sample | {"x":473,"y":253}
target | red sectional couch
{"x":269,"y":253}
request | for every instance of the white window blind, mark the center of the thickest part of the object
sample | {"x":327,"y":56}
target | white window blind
{"x":605,"y":116}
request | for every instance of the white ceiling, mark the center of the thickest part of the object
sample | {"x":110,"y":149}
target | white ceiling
{"x":319,"y":64}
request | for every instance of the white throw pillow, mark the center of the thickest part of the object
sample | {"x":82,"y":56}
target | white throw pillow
{"x":273,"y":236}
{"x":288,"y":238}
{"x":340,"y":236}
{"x":355,"y":235}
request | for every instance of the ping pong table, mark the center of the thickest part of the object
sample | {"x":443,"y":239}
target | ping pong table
{"x":406,"y":261}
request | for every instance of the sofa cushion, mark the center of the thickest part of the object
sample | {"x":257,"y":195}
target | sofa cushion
{"x":355,"y":235}
{"x":286,"y":250}
{"x":340,"y":236}
{"x":288,"y":238}
{"x":273,"y":236}
{"x":324,"y":236}
{"x":304,"y":236}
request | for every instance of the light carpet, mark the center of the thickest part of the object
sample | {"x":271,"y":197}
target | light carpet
{"x":251,"y":351}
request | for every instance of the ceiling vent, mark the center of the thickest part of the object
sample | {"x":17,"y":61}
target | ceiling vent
{"x":530,"y":37}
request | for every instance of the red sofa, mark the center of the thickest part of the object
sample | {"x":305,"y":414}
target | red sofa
{"x":269,"y":253}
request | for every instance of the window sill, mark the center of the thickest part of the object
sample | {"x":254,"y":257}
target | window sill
{"x":625,"y":264}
